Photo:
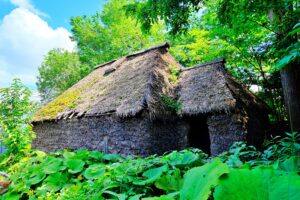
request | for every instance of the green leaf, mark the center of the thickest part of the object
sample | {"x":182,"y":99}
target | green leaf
{"x":199,"y":181}
{"x":152,"y":175}
{"x":52,"y":165}
{"x":163,"y":197}
{"x":292,"y":164}
{"x":119,"y":196}
{"x":81,"y":154}
{"x":97,"y":155}
{"x":182,"y":158}
{"x":111,"y":157}
{"x":69,"y":155}
{"x":94,"y":171}
{"x":259,"y":183}
{"x":36,"y":178}
{"x":170,"y":183}
{"x":11,"y":196}
{"x":74,"y":166}
{"x":296,"y":29}
{"x":284,"y":61}
{"x":55,"y":182}
{"x":136,"y":197}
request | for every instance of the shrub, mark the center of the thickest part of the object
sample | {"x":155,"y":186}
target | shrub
{"x":15,"y":116}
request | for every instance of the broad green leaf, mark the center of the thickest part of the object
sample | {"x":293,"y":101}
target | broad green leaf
{"x":11,"y":196}
{"x":152,"y":175}
{"x":170,"y":183}
{"x":69,"y":155}
{"x":292,"y":164}
{"x":52,"y":165}
{"x":81,"y":154}
{"x":97,"y":155}
{"x":111,"y":157}
{"x":286,"y":186}
{"x":55,"y":182}
{"x":74,"y":166}
{"x":94,"y":171}
{"x":36,"y":178}
{"x":182,"y":158}
{"x":259,"y":183}
{"x":199,"y":181}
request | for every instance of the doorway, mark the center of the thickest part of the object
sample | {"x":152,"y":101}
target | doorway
{"x":198,"y":136}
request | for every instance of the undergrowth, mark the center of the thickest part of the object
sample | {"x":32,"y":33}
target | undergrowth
{"x":241,"y":173}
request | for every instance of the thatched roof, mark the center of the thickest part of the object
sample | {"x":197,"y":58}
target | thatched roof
{"x":208,"y":88}
{"x":125,"y":87}
{"x":144,"y":81}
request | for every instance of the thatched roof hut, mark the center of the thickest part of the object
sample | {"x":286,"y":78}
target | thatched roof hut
{"x":125,"y":87}
{"x":135,"y":105}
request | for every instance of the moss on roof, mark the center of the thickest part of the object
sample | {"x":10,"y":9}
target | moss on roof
{"x":133,"y":83}
{"x":66,"y":101}
{"x":60,"y":104}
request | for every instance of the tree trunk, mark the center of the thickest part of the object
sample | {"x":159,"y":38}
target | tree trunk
{"x":290,"y":79}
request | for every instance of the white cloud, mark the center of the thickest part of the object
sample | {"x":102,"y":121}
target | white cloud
{"x":27,"y":4}
{"x":24,"y":40}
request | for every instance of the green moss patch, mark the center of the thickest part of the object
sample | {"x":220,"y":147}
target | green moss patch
{"x":67,"y":100}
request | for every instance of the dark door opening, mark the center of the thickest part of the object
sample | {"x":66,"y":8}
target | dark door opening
{"x":198,"y":136}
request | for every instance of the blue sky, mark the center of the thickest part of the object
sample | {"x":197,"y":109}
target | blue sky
{"x":30,"y":28}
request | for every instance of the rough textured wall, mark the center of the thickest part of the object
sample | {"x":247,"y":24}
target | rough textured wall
{"x":224,"y":130}
{"x":137,"y":136}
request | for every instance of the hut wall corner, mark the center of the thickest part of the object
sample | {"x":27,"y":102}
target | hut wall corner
{"x":224,"y":130}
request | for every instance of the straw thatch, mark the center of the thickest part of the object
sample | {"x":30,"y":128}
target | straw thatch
{"x":125,"y":86}
{"x":137,"y":82}
{"x":208,"y":88}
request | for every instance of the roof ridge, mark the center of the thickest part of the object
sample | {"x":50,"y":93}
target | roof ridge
{"x":165,"y":45}
{"x":219,"y":60}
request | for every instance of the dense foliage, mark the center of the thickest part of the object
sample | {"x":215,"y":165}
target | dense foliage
{"x":240,"y":173}
{"x":15,"y":108}
{"x":110,"y":34}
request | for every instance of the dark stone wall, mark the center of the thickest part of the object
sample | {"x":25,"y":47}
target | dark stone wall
{"x":139,"y":135}
{"x":224,"y":130}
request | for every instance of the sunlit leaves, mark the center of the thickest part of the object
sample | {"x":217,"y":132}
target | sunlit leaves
{"x":15,"y":116}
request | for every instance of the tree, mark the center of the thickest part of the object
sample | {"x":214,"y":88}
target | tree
{"x":15,"y":117}
{"x":278,"y":17}
{"x":59,"y":71}
{"x":111,"y":34}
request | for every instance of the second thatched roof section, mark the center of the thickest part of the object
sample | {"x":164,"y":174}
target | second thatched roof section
{"x":208,"y":88}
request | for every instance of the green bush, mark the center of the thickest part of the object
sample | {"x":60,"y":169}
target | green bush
{"x":15,"y":108}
